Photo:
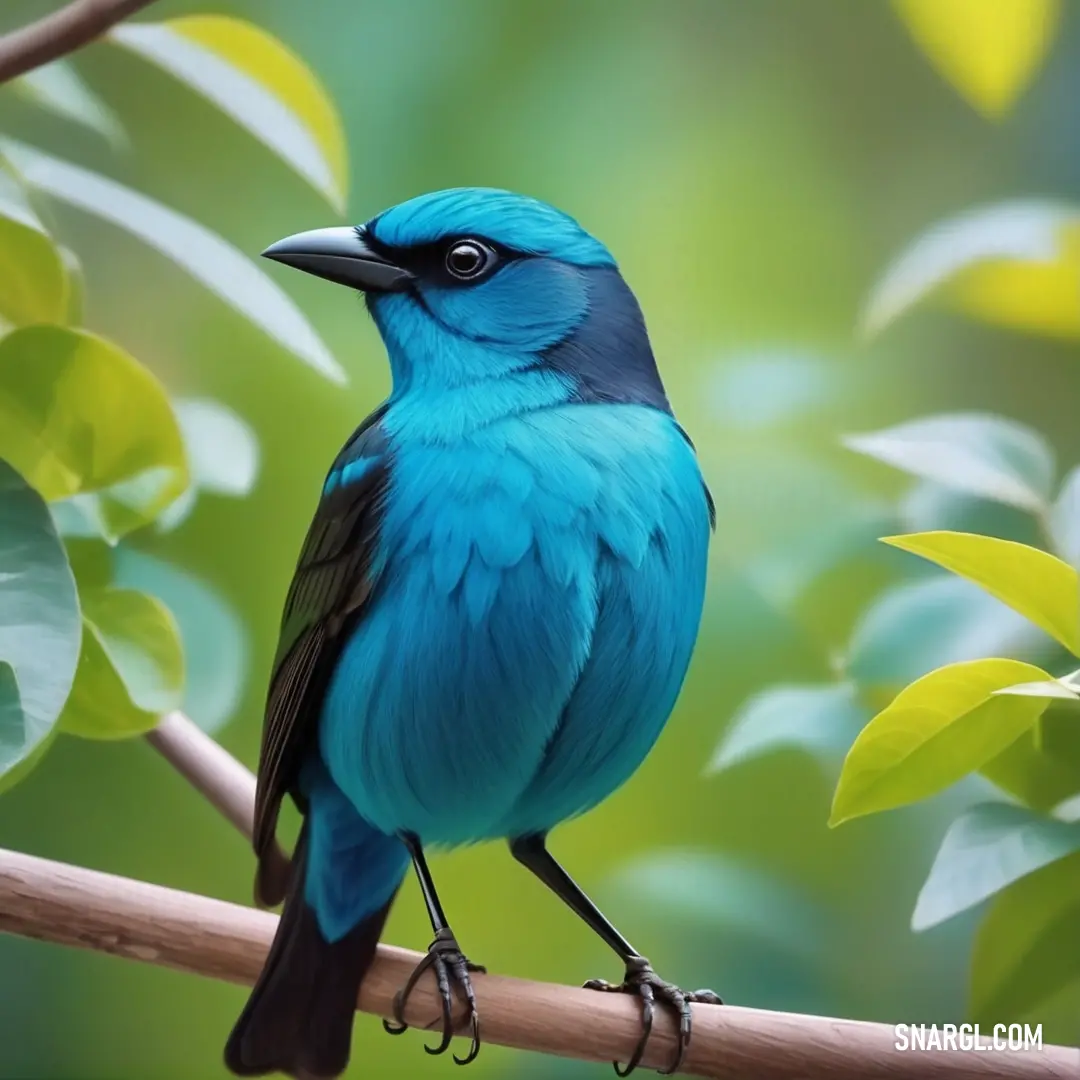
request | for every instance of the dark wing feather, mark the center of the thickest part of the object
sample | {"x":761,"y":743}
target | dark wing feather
{"x":334,"y":578}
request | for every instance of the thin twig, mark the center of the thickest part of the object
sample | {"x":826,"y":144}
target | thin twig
{"x":72,"y":906}
{"x":208,"y":767}
{"x":60,"y":33}
{"x":212,"y":771}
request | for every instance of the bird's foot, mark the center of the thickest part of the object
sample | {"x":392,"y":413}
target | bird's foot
{"x":451,"y":969}
{"x":644,"y":983}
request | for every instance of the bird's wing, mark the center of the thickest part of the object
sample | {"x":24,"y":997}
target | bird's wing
{"x":334,"y":579}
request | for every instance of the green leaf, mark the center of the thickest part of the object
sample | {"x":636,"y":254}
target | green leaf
{"x":203,"y":254}
{"x":1032,"y":769}
{"x":986,"y":849}
{"x":1013,"y":264}
{"x":78,"y":416}
{"x":940,"y":728}
{"x":989,"y":52}
{"x":1028,"y":946}
{"x":978,"y":454}
{"x":917,"y":626}
{"x":1065,"y":519}
{"x":33,"y":284}
{"x":60,"y":89}
{"x":40,"y":628}
{"x":215,"y":644}
{"x":259,"y":82}
{"x":822,"y":720}
{"x":131,"y":669}
{"x":1039,"y":586}
{"x":222,"y":450}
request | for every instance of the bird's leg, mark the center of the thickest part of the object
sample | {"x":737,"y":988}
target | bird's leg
{"x":640,"y":980}
{"x":445,"y":958}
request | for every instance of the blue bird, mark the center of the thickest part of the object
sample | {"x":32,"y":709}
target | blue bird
{"x":493,"y":610}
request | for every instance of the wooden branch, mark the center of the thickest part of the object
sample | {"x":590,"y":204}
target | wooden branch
{"x":72,"y":906}
{"x":60,"y":33}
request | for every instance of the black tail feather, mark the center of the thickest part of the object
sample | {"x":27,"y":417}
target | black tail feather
{"x":299,"y":1018}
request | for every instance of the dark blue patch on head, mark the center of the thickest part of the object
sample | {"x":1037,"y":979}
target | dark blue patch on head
{"x":517,"y":223}
{"x":609,"y":356}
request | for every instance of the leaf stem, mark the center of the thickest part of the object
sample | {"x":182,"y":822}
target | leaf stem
{"x":61,"y":32}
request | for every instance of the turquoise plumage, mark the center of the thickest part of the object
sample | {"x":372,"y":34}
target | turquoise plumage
{"x":495,"y":607}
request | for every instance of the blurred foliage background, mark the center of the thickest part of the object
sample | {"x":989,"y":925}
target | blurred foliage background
{"x":763,"y":172}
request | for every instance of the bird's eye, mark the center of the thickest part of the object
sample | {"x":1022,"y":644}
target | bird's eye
{"x":468,"y":259}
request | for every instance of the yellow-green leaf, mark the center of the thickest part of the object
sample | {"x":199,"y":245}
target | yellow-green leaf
{"x":33,"y":282}
{"x":940,"y":728}
{"x":1038,"y":296}
{"x":259,"y":82}
{"x":1029,"y":772}
{"x":131,"y":668}
{"x":1014,"y":264}
{"x":988,"y":49}
{"x":203,"y":254}
{"x":215,"y":642}
{"x":78,"y":415}
{"x":1038,"y":585}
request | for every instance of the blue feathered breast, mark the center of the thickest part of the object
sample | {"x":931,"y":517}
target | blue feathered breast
{"x":541,"y":585}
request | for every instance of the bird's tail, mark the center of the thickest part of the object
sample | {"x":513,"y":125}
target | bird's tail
{"x":299,"y":1018}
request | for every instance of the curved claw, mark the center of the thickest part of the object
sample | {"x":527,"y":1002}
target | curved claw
{"x":399,"y":1027}
{"x":393,"y":1028}
{"x":443,"y":979}
{"x":648,"y":1011}
{"x":474,"y":1046}
{"x":643,"y":982}
{"x":680,"y":1045}
{"x":450,"y":967}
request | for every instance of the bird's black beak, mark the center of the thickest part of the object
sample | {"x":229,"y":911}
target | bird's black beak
{"x":342,"y":255}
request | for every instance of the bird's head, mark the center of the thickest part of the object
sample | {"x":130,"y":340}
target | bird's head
{"x":471,"y":284}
